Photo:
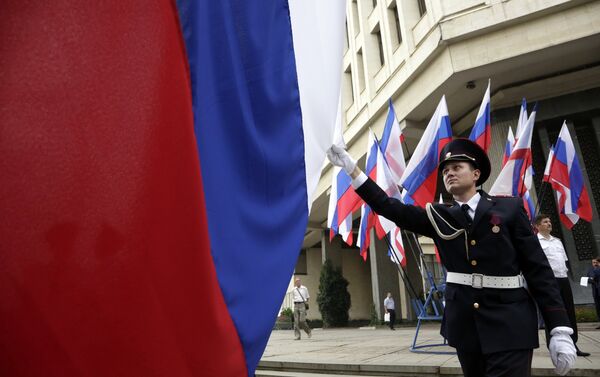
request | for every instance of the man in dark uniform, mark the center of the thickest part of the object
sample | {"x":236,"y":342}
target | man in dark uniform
{"x":488,"y":247}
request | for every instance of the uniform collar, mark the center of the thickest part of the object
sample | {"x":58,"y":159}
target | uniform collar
{"x":473,"y":202}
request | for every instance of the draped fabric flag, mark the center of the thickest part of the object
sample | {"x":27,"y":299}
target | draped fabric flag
{"x":481,"y":133}
{"x":341,"y":194}
{"x":391,"y":166}
{"x":391,"y":145}
{"x":368,"y":218}
{"x":515,"y":177}
{"x":563,"y":172}
{"x":529,"y":206}
{"x":396,"y":248}
{"x":549,"y":162}
{"x":522,"y":121}
{"x":510,"y":142}
{"x":379,"y":171}
{"x":385,"y":180}
{"x":420,"y":177}
{"x":528,"y":178}
{"x":136,"y":242}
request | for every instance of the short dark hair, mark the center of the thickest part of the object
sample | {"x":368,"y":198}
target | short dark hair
{"x":540,"y":217}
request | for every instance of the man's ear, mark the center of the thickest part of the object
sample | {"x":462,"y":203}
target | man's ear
{"x":477,"y":173}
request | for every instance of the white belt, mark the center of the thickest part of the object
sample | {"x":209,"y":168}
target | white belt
{"x":483,"y":281}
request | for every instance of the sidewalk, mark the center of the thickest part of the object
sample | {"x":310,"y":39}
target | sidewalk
{"x":382,"y":352}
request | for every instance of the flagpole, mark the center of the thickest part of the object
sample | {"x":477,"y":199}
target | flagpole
{"x":401,"y":271}
{"x":416,"y":241}
{"x":414,"y":236}
{"x":540,"y":200}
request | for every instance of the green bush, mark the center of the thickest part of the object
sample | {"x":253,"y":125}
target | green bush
{"x":375,"y":321}
{"x":333,"y":298}
{"x":585,"y":314}
{"x":287,"y":312}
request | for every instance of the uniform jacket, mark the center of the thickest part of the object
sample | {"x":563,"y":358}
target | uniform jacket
{"x":488,"y":319}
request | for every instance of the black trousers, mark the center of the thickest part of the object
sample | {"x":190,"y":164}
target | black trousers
{"x":514,"y":363}
{"x":392,"y":317}
{"x":567,"y":296}
{"x":597,"y":302}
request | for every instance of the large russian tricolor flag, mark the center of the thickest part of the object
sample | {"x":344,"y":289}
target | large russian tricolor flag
{"x":420,"y":177}
{"x":564,"y":174}
{"x":155,"y":192}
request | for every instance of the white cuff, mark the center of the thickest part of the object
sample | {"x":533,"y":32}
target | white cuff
{"x":561,"y":330}
{"x":358,"y":181}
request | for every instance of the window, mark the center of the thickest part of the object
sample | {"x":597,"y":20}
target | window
{"x":361,"y":71}
{"x":355,"y":20}
{"x":394,"y":19}
{"x":347,"y":90}
{"x":422,"y":7}
{"x":377,"y":33}
{"x":347,"y":40}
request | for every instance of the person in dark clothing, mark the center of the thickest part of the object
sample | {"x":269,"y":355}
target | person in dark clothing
{"x":594,"y":278}
{"x":488,"y":248}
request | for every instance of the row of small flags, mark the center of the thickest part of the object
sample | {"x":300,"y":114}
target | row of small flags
{"x":385,"y":164}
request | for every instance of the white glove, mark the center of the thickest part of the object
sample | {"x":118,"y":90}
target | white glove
{"x":562,"y":350}
{"x":339,"y":157}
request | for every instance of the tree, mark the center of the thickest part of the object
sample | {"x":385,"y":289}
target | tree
{"x":333,"y":298}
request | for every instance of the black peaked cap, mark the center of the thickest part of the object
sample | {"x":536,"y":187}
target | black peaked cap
{"x":465,"y":150}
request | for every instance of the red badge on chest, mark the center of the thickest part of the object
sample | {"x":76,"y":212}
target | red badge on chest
{"x":495,"y":221}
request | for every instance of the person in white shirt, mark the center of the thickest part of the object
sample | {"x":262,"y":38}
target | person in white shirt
{"x":557,"y":257}
{"x":390,"y":307}
{"x":301,"y":297}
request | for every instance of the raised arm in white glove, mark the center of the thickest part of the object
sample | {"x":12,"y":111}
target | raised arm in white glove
{"x":339,"y":157}
{"x":562,"y":350}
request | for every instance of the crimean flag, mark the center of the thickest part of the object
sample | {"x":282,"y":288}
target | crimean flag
{"x":563,"y":172}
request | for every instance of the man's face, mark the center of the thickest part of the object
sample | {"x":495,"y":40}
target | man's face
{"x":595,"y":263}
{"x":298,"y":283}
{"x":545,"y":226}
{"x":459,"y":177}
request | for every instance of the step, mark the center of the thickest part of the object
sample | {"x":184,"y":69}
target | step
{"x":293,"y":369}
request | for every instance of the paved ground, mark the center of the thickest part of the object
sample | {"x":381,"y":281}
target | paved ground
{"x":375,"y":351}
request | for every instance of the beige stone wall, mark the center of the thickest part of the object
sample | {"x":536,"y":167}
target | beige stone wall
{"x":358,"y":274}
